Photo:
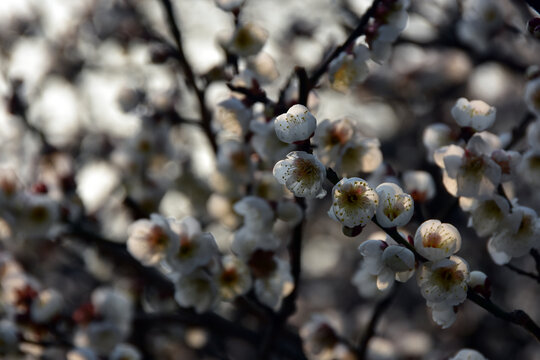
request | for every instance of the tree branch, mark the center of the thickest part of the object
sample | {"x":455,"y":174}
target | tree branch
{"x":206,"y":116}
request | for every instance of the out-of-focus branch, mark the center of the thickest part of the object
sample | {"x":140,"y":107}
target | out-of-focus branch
{"x":251,"y":95}
{"x":206,"y":116}
{"x":523,"y":272}
{"x":288,"y":306}
{"x":518,"y":132}
{"x":379,"y":310}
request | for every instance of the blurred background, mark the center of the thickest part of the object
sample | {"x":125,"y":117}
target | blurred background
{"x":96,"y":109}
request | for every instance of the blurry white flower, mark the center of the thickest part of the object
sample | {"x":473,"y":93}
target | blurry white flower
{"x":276,"y":285}
{"x":532,"y":96}
{"x":302,"y":174}
{"x":419,"y":184}
{"x":196,"y":248}
{"x":508,"y":161}
{"x":395,"y":207}
{"x":197,"y":289}
{"x":319,"y":338}
{"x":436,"y":136}
{"x":468,"y":354}
{"x":256,"y":211}
{"x":366,"y":282}
{"x":247,"y":40}
{"x":233,"y":117}
{"x":475,"y":113}
{"x":297,"y":124}
{"x":479,"y":20}
{"x":444,"y":281}
{"x":289,"y":211}
{"x":150,"y":241}
{"x":331,"y":137}
{"x":125,"y":351}
{"x":360,"y":155}
{"x":348,"y":70}
{"x":266,"y":142}
{"x":353,"y":202}
{"x":233,"y":278}
{"x":233,"y":161}
{"x":47,"y":305}
{"x":113,"y":306}
{"x":533,"y":136}
{"x":99,"y":336}
{"x":435,"y":240}
{"x":36,"y":216}
{"x":81,"y":354}
{"x":487,"y":215}
{"x":529,"y":167}
{"x":477,"y":279}
{"x":521,"y":233}
{"x":247,"y":240}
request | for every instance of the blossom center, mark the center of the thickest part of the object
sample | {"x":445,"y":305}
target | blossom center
{"x":432,"y":240}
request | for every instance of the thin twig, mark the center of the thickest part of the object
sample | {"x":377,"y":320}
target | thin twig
{"x":523,"y":272}
{"x":379,"y":310}
{"x":206,"y":116}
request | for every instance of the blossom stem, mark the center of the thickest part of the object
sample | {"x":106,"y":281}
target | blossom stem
{"x":206,"y":116}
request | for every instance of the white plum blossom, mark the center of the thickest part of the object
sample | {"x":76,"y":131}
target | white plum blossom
{"x":353,"y":202}
{"x":272,"y":288}
{"x":419,"y":184}
{"x":233,"y":278}
{"x":444,"y":281}
{"x":470,"y":172}
{"x":266,"y":143}
{"x":290,"y":212}
{"x":150,"y":241}
{"x":229,"y":5}
{"x":125,"y":351}
{"x":197,"y":289}
{"x":532,"y":96}
{"x":331,"y":137}
{"x":395,"y":207}
{"x":529,"y":167}
{"x":233,"y":117}
{"x":302,"y":174}
{"x":508,"y":161}
{"x":435,"y":240}
{"x":475,"y":113}
{"x":256,"y":211}
{"x":319,"y":338}
{"x":247,"y":240}
{"x":480,"y":19}
{"x":436,"y":136}
{"x":366,"y":283}
{"x":360,"y":155}
{"x":113,"y":306}
{"x":487,"y":215}
{"x":349,"y":69}
{"x":233,"y":160}
{"x":468,"y":354}
{"x":520,"y":234}
{"x":387,"y":262}
{"x":196,"y":248}
{"x":298,"y":124}
{"x":47,"y":305}
{"x":444,"y":315}
{"x":248,"y":39}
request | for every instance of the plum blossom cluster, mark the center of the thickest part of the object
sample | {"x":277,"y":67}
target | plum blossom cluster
{"x":478,"y":170}
{"x":350,"y":68}
{"x":35,"y":313}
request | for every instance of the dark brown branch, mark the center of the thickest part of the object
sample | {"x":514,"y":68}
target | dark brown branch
{"x":206,"y":116}
{"x":523,"y":272}
{"x":251,"y":95}
{"x":517,"y":317}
